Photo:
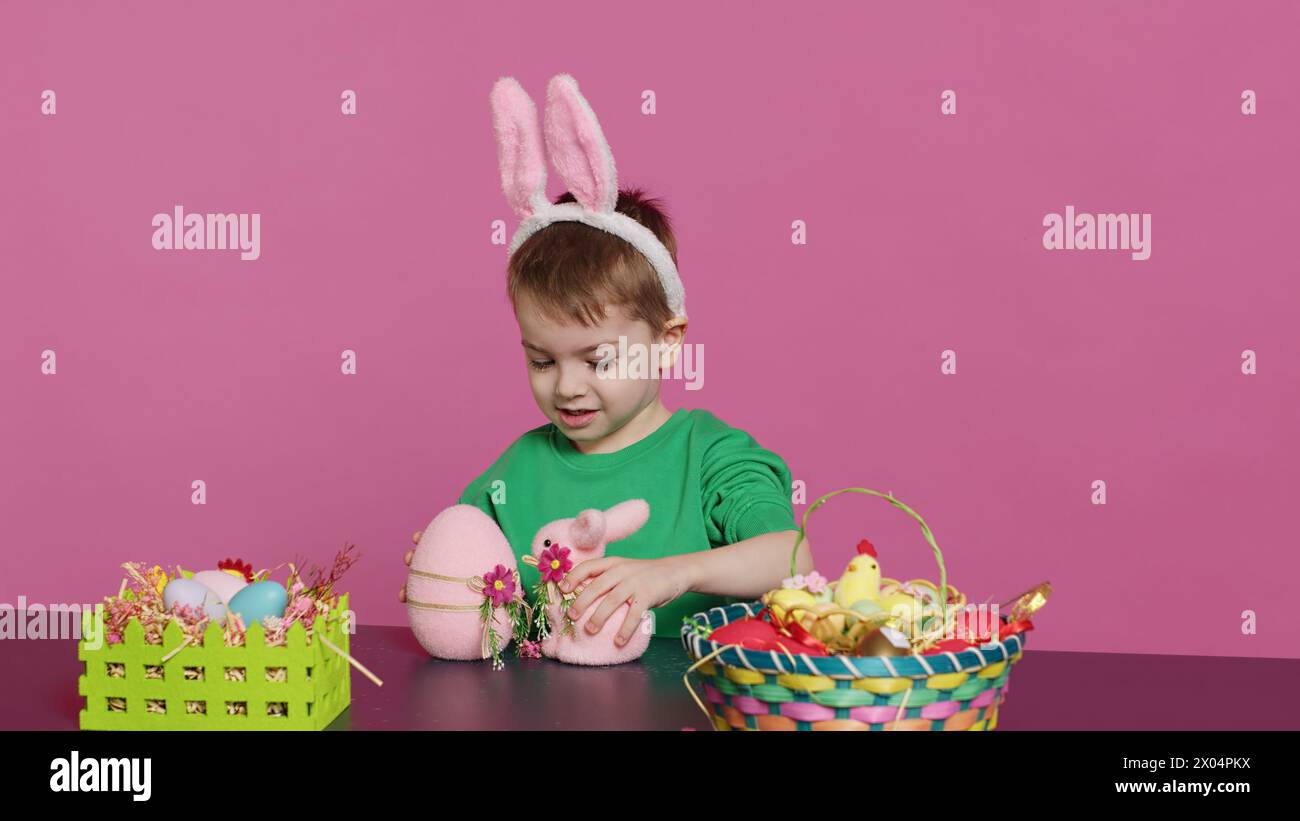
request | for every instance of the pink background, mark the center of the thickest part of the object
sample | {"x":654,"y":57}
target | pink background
{"x":924,"y":234}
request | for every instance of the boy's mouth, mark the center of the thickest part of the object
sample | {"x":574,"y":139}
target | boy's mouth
{"x":577,"y":418}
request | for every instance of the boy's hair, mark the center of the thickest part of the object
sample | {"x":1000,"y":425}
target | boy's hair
{"x":574,"y":270}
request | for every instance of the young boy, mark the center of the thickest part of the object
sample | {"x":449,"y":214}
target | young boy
{"x":721,"y":523}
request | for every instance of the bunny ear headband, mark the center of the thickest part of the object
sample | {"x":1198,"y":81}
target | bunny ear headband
{"x":580,"y":154}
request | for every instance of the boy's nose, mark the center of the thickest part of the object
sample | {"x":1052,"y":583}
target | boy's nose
{"x":571,"y":385}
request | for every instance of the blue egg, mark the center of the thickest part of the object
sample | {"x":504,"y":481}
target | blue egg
{"x":190,"y":593}
{"x":259,"y":600}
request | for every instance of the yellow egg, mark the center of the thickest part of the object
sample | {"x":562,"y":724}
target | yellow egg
{"x":780,"y":601}
{"x":903,"y":605}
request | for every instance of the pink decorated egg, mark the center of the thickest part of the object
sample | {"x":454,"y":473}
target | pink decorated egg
{"x":461,"y":542}
{"x":224,"y":584}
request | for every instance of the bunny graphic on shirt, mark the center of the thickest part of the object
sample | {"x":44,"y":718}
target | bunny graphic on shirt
{"x":586,"y":536}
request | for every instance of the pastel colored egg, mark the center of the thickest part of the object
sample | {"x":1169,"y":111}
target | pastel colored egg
{"x":902,"y":604}
{"x":224,"y":584}
{"x":461,"y":541}
{"x":258,"y":601}
{"x":780,"y":601}
{"x":908,"y":609}
{"x":865,"y":606}
{"x":189,"y":593}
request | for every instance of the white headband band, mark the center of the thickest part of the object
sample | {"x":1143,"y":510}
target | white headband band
{"x":581,"y":155}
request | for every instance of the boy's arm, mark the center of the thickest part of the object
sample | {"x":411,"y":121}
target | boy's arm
{"x":746,"y":490}
{"x":749,"y":521}
{"x":748,"y":568}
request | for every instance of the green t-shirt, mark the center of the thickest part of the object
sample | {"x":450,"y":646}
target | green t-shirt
{"x":708,"y":484}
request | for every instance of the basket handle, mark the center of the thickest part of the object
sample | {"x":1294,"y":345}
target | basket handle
{"x":888,"y":497}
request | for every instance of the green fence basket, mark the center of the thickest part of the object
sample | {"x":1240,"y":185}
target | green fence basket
{"x":300,"y":685}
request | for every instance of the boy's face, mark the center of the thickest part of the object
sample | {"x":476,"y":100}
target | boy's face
{"x":562,"y":362}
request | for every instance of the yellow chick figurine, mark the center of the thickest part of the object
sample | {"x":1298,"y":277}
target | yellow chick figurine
{"x":861,"y":579}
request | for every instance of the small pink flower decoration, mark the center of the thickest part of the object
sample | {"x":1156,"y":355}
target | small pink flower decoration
{"x":499,"y":585}
{"x":816,"y":582}
{"x":554,"y":563}
{"x":795,"y":582}
{"x":530,"y":649}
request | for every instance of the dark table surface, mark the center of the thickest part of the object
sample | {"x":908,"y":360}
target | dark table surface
{"x":1048,"y":691}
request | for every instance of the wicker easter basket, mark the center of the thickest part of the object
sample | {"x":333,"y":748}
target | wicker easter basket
{"x":769,"y":690}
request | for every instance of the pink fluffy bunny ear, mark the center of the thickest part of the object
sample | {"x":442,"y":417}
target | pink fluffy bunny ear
{"x":626,"y":518}
{"x":577,"y":146}
{"x":588,"y":531}
{"x":519,"y":147}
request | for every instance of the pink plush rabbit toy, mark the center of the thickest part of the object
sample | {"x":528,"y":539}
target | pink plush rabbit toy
{"x":569,"y":541}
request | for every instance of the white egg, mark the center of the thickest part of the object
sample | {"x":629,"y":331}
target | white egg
{"x":188,"y":592}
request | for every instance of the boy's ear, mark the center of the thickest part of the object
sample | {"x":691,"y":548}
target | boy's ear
{"x":672,"y":338}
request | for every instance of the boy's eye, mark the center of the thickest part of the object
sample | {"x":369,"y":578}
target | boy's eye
{"x":544,"y":364}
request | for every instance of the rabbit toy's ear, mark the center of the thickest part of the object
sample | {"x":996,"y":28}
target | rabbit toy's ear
{"x":588,"y":529}
{"x":626,"y":518}
{"x":577,"y":146}
{"x":519,"y":147}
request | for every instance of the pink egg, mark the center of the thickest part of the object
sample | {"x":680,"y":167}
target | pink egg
{"x":224,"y":584}
{"x":462,"y":541}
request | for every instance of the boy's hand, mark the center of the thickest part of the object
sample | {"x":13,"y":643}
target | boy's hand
{"x":410,"y":554}
{"x":645,"y":583}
